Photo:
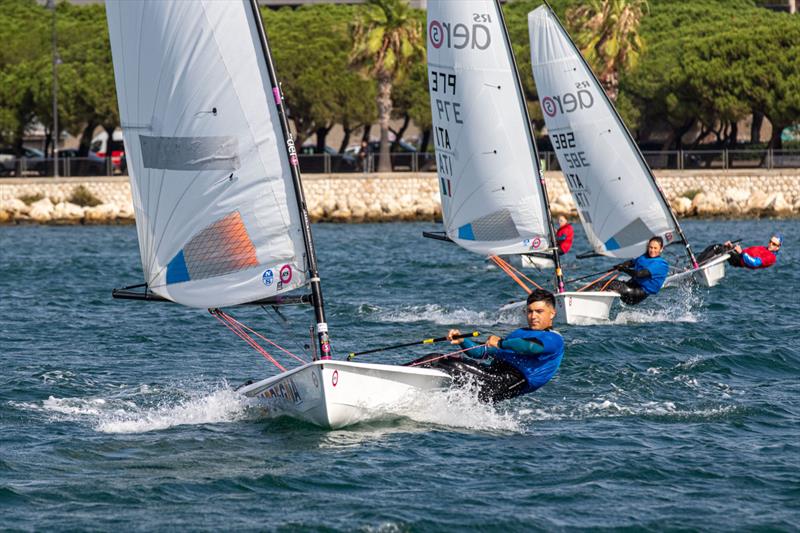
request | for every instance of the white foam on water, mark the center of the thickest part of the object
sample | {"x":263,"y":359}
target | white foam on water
{"x":124,"y":415}
{"x":443,"y":316}
{"x":606,"y":408}
{"x":458,"y":408}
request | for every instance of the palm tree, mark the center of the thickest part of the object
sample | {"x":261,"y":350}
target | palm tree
{"x":607,"y":33}
{"x":387,"y":40}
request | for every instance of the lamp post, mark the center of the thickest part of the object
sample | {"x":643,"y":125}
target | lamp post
{"x":52,"y":5}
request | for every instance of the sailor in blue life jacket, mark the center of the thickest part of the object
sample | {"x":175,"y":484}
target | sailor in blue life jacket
{"x":648,"y":273}
{"x":521,"y":362}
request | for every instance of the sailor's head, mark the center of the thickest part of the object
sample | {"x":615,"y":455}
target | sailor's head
{"x":562,"y":221}
{"x":654,"y":246}
{"x":775,"y":242}
{"x":540,"y":309}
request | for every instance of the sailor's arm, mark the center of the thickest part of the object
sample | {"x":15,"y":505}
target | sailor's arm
{"x":750,"y":261}
{"x":472,"y":349}
{"x":522,"y":346}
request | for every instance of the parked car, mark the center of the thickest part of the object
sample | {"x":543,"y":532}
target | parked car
{"x":312,"y":161}
{"x":100,"y":146}
{"x":402,"y":155}
{"x":31,"y":160}
{"x":74,"y":165}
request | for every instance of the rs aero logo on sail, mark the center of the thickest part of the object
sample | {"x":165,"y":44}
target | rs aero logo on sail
{"x":475,"y":35}
{"x":567,"y":102}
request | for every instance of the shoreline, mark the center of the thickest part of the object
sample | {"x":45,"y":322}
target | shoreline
{"x":393,"y":197}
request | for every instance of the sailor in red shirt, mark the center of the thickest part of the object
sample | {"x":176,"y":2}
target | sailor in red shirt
{"x":756,"y":256}
{"x":564,"y":235}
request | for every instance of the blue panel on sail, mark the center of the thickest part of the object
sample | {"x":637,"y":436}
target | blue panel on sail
{"x":465,"y":233}
{"x":612,"y":244}
{"x":176,"y":269}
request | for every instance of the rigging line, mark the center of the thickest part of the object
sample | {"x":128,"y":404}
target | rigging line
{"x":511,"y":275}
{"x":238,"y":331}
{"x":447,"y":355}
{"x":510,"y":270}
{"x":609,"y":282}
{"x":596,"y":280}
{"x":283,"y":324}
{"x":257,"y":334}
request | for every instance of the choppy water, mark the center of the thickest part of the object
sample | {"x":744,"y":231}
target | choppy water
{"x":684,"y":413}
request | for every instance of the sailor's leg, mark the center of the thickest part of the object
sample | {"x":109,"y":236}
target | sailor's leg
{"x":629,"y":292}
{"x":710,"y":251}
{"x":426,"y":361}
{"x":735,"y":259}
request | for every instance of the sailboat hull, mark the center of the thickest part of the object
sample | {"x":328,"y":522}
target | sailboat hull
{"x":578,"y":308}
{"x":335,"y":394}
{"x":708,"y":274}
{"x":539,"y":263}
{"x":584,"y":307}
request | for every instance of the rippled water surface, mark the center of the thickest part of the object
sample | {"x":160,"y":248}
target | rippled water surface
{"x":682,"y":413}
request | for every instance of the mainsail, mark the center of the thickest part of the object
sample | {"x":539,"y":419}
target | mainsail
{"x":216,"y":214}
{"x":618,"y":200}
{"x":487,"y":165}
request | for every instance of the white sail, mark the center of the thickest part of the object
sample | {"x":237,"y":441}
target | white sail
{"x":216,"y":215}
{"x":486,"y":163}
{"x":616,"y":196}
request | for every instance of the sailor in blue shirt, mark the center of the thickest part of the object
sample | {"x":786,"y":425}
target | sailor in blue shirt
{"x":648,"y":273}
{"x":521,"y":362}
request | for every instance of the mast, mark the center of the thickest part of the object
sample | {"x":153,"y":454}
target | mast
{"x":559,"y":279}
{"x":625,"y":129}
{"x":311,"y":257}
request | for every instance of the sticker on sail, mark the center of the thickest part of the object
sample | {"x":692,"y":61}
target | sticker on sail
{"x":286,"y":274}
{"x":533,"y":244}
{"x":668,"y":235}
{"x":267,"y":277}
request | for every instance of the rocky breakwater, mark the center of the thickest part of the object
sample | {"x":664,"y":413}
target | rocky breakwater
{"x":405,"y":196}
{"x":104,"y":200}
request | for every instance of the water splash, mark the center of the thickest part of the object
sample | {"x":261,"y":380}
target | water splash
{"x":143,"y":409}
{"x":443,"y":316}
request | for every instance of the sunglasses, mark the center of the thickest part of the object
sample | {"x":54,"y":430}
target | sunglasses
{"x":773,"y":243}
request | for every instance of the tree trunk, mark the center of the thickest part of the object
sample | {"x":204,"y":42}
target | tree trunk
{"x":384,"y":100}
{"x":733,"y":134}
{"x":611,"y":85}
{"x":775,"y":142}
{"x":426,"y":139}
{"x":399,"y":133}
{"x":755,"y":127}
{"x":348,"y":131}
{"x":322,"y":134}
{"x":367,"y":131}
{"x":676,"y":137}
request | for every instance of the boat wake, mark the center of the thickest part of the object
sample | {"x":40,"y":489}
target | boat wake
{"x":443,"y":316}
{"x":680,"y":305}
{"x":145,"y":410}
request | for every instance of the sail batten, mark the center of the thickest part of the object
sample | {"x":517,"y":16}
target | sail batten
{"x":617,"y":198}
{"x":487,"y":167}
{"x":212,"y":185}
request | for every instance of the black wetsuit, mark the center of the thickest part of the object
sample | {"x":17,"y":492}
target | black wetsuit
{"x":497,"y":381}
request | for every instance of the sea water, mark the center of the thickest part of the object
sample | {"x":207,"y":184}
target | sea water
{"x":683,"y":412}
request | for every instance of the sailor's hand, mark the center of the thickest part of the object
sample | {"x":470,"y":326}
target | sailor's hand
{"x":728,"y":244}
{"x":493,"y":341}
{"x":737,"y":249}
{"x":453,"y":333}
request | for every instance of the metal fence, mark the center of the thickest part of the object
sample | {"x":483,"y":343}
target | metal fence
{"x":420,"y":162}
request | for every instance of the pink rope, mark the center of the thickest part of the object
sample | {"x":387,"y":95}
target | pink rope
{"x":257,"y":334}
{"x":446,"y":355}
{"x":222,"y":317}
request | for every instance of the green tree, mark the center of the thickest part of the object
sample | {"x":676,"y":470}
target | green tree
{"x":607,"y":33}
{"x":387,"y":40}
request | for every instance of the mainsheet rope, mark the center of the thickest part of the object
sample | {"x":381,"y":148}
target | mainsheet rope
{"x":242,"y":330}
{"x":514,"y":274}
{"x":447,"y":355}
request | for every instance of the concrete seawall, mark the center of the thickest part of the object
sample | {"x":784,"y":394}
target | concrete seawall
{"x":406,"y":196}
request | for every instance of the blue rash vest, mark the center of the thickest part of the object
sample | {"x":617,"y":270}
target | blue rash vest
{"x":537,"y":359}
{"x":658,"y":269}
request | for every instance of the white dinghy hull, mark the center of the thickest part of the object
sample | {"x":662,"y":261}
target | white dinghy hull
{"x":539,"y":263}
{"x":578,"y":308}
{"x":708,"y":274}
{"x":334,"y":394}
{"x":584,"y":307}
